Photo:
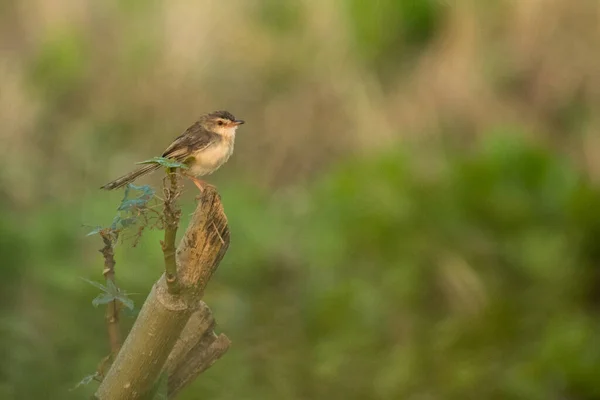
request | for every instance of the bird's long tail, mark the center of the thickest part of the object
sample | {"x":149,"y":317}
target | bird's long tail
{"x":130,"y":177}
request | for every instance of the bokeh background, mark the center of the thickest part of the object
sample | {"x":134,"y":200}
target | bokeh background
{"x":413,"y":202}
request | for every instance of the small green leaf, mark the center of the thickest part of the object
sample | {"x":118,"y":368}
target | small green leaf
{"x":143,"y":188}
{"x":115,"y":221}
{"x":125,"y":222}
{"x":95,"y":231}
{"x":112,"y":288}
{"x":131,"y":313}
{"x":165,"y":162}
{"x":97,"y":285}
{"x":86,"y":380}
{"x":140,"y":201}
{"x":103,"y":298}
{"x":132,"y":204}
{"x":127,"y":302}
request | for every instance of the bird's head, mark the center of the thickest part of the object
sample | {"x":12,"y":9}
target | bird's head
{"x":221,"y":122}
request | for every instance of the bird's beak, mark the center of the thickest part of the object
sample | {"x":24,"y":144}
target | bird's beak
{"x":239,"y":122}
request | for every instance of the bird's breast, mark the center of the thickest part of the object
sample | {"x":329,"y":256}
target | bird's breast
{"x":210,"y":159}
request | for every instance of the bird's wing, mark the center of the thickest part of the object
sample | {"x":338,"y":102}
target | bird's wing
{"x":194,"y":139}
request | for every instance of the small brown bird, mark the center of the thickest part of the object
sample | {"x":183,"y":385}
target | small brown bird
{"x":203,"y":147}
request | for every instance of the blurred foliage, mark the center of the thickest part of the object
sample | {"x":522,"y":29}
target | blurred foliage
{"x":391,"y":238}
{"x":387,"y":280}
{"x":60,"y":66}
{"x":386,"y":30}
{"x":278,"y":16}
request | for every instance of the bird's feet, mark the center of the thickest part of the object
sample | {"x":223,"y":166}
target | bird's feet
{"x":201,"y":185}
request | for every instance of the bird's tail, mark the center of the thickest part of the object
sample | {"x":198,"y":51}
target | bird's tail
{"x":130,"y":177}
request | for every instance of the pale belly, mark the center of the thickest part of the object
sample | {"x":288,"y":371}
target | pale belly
{"x":209,"y":160}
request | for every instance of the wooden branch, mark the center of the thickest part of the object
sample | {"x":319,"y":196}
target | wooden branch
{"x":164,"y":315}
{"x":196,"y":350}
{"x":112,"y":309}
{"x":172,"y":213}
{"x":201,"y":321}
{"x":210,"y":348}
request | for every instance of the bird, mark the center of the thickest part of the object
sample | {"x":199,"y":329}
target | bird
{"x":204,"y":147}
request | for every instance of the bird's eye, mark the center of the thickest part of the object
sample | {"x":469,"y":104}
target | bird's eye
{"x":220,"y":122}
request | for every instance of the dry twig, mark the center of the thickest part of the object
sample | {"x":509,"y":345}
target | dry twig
{"x":112,"y":308}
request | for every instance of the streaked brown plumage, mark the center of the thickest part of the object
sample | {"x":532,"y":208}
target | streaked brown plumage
{"x":203,"y":147}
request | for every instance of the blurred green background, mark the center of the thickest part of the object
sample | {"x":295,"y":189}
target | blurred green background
{"x":413,"y":202}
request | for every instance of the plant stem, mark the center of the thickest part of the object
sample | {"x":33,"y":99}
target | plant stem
{"x":172,"y":214}
{"x":112,"y":308}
